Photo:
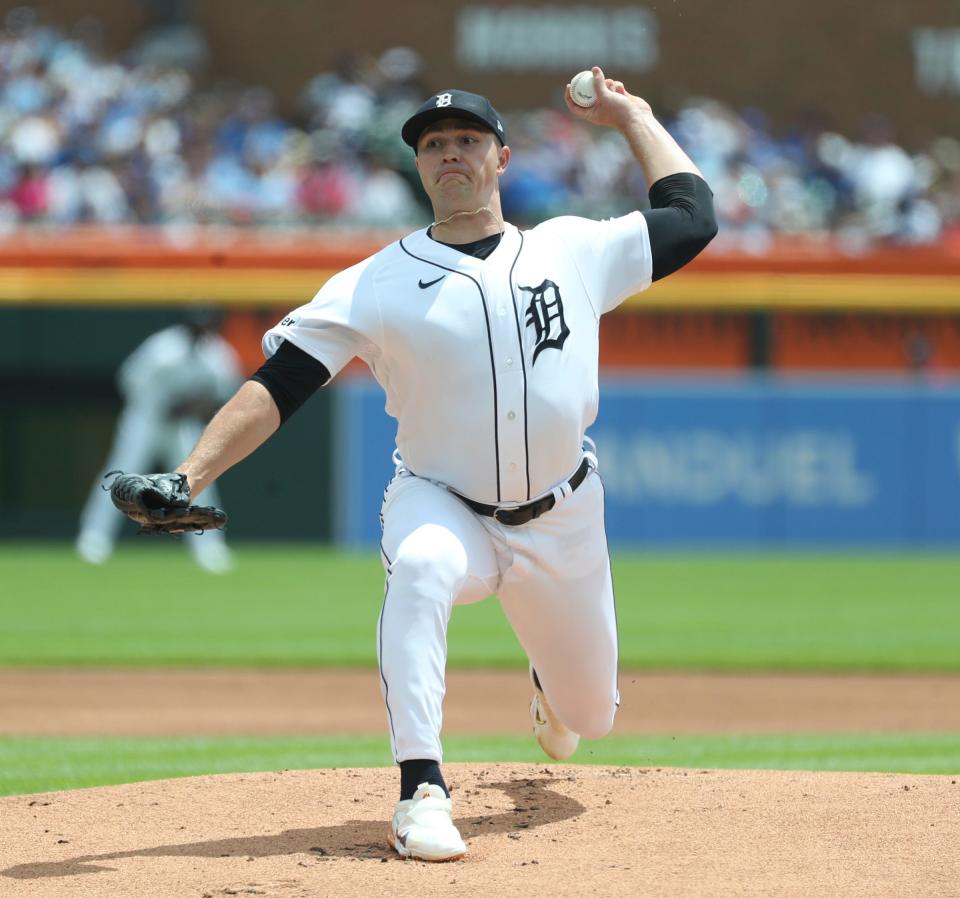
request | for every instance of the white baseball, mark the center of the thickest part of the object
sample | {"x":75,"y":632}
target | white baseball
{"x":581,"y":89}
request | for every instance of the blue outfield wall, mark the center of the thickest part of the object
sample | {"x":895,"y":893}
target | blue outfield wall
{"x":753,"y":462}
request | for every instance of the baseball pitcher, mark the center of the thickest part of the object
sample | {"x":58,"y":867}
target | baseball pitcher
{"x":485,"y":341}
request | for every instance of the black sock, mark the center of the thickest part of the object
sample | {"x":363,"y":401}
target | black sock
{"x":420,"y":770}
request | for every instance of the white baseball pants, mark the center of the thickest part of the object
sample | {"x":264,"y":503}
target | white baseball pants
{"x":552,"y":577}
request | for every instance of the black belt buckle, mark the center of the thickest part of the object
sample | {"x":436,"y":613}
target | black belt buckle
{"x":514,"y":517}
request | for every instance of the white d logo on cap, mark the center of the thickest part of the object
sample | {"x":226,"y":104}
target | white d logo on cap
{"x":444,"y":100}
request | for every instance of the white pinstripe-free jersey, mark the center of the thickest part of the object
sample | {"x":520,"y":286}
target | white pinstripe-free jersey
{"x":490,"y":366}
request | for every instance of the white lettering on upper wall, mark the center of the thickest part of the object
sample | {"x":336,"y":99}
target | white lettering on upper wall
{"x":556,"y":38}
{"x":802,"y":468}
{"x":936,"y":60}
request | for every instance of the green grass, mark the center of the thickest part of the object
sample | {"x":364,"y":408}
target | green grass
{"x":296,"y":606}
{"x":310,"y":606}
{"x":30,"y":765}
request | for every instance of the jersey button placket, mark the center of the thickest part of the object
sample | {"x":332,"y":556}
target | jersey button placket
{"x":509,"y":388}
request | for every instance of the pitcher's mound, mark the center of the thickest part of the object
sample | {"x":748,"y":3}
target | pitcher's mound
{"x":532,"y":830}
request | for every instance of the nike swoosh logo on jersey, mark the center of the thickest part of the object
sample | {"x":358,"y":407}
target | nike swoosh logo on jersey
{"x":423,"y":286}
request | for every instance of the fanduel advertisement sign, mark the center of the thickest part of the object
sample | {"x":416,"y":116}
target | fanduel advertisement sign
{"x":746,"y":463}
{"x":697,"y":467}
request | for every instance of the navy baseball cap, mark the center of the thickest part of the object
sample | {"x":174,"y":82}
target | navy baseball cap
{"x":453,"y":104}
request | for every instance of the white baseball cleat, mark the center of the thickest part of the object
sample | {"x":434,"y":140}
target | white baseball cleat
{"x":554,"y":738}
{"x":422,"y":827}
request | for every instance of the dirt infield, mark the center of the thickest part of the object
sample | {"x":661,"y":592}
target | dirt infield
{"x":531,"y":829}
{"x":557,"y":831}
{"x":250,"y":702}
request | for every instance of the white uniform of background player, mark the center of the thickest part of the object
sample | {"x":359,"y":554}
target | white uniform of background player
{"x":487,"y":351}
{"x":171,"y":385}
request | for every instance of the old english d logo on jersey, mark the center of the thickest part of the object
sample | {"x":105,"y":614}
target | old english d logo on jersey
{"x":545,"y":316}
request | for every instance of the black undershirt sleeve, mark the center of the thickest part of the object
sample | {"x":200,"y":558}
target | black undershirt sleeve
{"x":291,"y":376}
{"x":681,"y":221}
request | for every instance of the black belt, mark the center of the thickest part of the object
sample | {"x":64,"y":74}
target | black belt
{"x":522,"y":514}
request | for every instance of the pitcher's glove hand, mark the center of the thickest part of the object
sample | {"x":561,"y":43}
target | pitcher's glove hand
{"x":160,"y":503}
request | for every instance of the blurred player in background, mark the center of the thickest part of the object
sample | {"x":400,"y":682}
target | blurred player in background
{"x":172,"y":384}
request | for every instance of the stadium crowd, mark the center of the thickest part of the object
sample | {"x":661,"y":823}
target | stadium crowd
{"x":89,"y":138}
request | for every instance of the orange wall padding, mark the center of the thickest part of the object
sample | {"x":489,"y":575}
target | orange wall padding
{"x":865,"y":342}
{"x":674,"y":340}
{"x":150,"y":247}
